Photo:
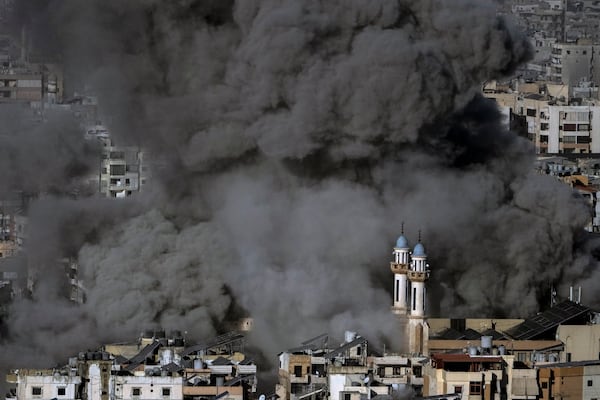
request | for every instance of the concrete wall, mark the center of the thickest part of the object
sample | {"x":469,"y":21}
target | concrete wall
{"x":581,"y":341}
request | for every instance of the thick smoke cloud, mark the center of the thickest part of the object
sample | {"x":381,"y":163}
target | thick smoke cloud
{"x":294,"y":138}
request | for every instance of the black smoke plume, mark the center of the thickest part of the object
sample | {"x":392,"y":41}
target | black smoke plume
{"x":294,"y":138}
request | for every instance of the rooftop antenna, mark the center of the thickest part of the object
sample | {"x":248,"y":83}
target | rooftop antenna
{"x":419,"y":236}
{"x":402,"y":228}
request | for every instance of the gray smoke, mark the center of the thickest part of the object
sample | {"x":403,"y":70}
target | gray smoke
{"x":294,"y":139}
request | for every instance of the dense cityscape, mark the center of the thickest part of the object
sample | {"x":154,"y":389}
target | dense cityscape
{"x":300,"y":200}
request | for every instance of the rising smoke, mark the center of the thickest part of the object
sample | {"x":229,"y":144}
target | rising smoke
{"x":294,"y":138}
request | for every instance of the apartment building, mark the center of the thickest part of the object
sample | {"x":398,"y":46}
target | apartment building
{"x":573,"y":380}
{"x":122,"y":171}
{"x":156,"y":367}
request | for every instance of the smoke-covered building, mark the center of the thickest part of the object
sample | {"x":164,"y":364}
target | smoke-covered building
{"x":352,"y":370}
{"x":156,"y":367}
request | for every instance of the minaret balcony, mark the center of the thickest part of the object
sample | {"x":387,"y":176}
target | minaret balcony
{"x":418,"y":276}
{"x":399,"y":268}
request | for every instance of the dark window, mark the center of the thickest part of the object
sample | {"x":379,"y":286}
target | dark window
{"x":568,"y":357}
{"x":544,"y":126}
{"x":590,"y":382}
{"x":298,"y":370}
{"x":414,"y":299}
{"x":396,"y":371}
{"x":308,"y":370}
{"x":136,"y":391}
{"x":584,"y":139}
{"x":61,"y":391}
{"x":117,"y":170}
{"x":457,"y":389}
{"x":347,"y":396}
{"x":570,"y":127}
{"x":166,"y":391}
{"x":544,"y":385}
{"x":117,"y":155}
{"x":474,"y":388}
{"x":531,"y":112}
{"x":36,"y":391}
{"x":543,"y":138}
{"x":397,"y":290}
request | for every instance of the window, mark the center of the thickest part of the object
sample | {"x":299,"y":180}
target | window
{"x":36,"y":391}
{"x":396,"y":371}
{"x":531,"y":112}
{"x":308,"y":370}
{"x":166,"y":392}
{"x":583,"y":127}
{"x":568,"y":357}
{"x":457,"y":389}
{"x":136,"y":391}
{"x":298,"y":370}
{"x":570,"y":127}
{"x":347,"y":396}
{"x":117,"y":170}
{"x":544,"y":385}
{"x":61,"y":391}
{"x":590,"y":383}
{"x":584,"y":139}
{"x":544,"y":126}
{"x":543,"y":138}
{"x":414,"y":298}
{"x":474,"y":388}
{"x":569,"y":139}
{"x":117,"y":155}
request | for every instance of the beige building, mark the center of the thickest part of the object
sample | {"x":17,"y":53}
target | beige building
{"x":582,"y":342}
{"x":575,"y":380}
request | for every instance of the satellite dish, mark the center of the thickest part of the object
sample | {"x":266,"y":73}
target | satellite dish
{"x":262,"y":397}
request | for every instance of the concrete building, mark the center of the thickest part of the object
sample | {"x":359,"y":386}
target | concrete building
{"x":122,"y":171}
{"x":582,"y":342}
{"x":351,"y":370}
{"x":574,"y":380}
{"x":156,"y":367}
{"x":572,"y":63}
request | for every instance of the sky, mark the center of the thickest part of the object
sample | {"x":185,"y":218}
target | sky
{"x":294,"y":139}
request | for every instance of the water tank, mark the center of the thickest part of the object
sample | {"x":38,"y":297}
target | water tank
{"x":486,"y":342}
{"x":166,"y":357}
{"x":220,"y":380}
{"x":472,"y":350}
{"x":502,"y":350}
{"x":197,"y":363}
{"x":349,"y":336}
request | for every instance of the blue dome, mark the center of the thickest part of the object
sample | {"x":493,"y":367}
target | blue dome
{"x":402,"y":243}
{"x":419,"y":250}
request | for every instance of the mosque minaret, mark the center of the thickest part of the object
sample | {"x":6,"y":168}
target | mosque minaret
{"x":411,"y":273}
